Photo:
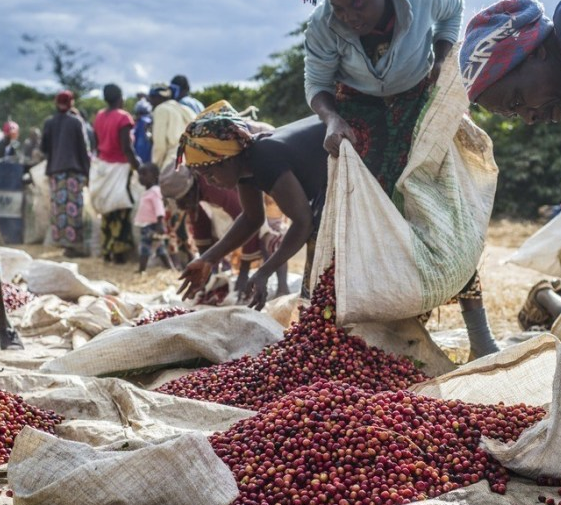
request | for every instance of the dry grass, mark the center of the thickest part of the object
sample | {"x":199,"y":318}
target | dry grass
{"x":505,"y":286}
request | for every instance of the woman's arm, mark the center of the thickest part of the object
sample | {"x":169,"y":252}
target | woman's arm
{"x":246,"y":224}
{"x":293,"y":202}
{"x":323,"y":104}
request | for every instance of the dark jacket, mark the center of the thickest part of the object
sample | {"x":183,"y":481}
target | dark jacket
{"x":64,"y":144}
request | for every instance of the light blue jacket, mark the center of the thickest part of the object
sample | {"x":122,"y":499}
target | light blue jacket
{"x":334,"y":52}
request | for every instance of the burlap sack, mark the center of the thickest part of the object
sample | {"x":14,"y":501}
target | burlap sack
{"x":541,"y":251}
{"x":49,"y":315}
{"x":526,"y":373}
{"x":36,"y":204}
{"x":214,"y":334}
{"x":182,"y":471}
{"x":13,"y":262}
{"x":45,"y":277}
{"x":400,"y":257}
{"x":407,"y":337}
{"x":105,"y":411}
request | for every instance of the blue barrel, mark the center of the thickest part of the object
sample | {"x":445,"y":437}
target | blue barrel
{"x":11,"y":202}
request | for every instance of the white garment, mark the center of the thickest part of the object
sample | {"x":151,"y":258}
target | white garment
{"x":169,"y":121}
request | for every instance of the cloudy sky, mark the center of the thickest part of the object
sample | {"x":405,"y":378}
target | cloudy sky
{"x":145,"y":41}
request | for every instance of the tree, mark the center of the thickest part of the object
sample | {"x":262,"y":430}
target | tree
{"x":71,"y":66}
{"x":529,"y":160}
{"x":282,"y":92}
{"x":239,"y":97}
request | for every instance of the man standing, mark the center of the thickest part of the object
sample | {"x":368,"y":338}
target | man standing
{"x":68,"y":164}
{"x":169,"y":119}
{"x":183,"y":96}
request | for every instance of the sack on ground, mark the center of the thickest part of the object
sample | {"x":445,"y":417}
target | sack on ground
{"x":406,"y":337}
{"x":13,"y":263}
{"x":181,"y":471}
{"x":525,"y":373}
{"x":541,"y":252}
{"x":36,"y":217}
{"x":400,"y":257}
{"x":63,"y":280}
{"x":214,"y":335}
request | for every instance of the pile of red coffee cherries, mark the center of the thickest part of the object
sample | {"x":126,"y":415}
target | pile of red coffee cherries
{"x":332,"y":442}
{"x":160,"y":314}
{"x":15,"y":297}
{"x":15,"y":414}
{"x":312,"y":349}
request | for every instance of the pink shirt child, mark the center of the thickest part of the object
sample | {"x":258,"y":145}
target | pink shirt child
{"x":150,"y":207}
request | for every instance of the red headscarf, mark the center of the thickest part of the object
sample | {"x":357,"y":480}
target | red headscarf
{"x":63,"y":100}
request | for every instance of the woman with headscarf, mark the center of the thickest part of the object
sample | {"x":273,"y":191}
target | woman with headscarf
{"x":112,"y":128}
{"x":511,"y":60}
{"x":64,"y":144}
{"x":289,"y":164}
{"x":511,"y":65}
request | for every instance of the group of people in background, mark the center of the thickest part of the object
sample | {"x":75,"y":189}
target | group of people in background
{"x":370,"y":66}
{"x":176,"y":226}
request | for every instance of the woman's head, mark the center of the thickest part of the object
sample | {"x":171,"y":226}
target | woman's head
{"x":361,"y":16}
{"x":223,"y":174}
{"x":511,"y":61}
{"x":113,"y":95}
{"x":214,"y":142}
{"x":532,"y":90}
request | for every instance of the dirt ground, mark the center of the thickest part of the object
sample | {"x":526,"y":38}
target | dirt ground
{"x":505,"y":285}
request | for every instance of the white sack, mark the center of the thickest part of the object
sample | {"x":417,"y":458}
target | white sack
{"x":215,"y":334}
{"x":541,"y":251}
{"x":49,"y":315}
{"x":183,"y":471}
{"x":284,"y":309}
{"x":105,"y":411}
{"x":407,"y":337}
{"x":526,"y":373}
{"x":63,"y":280}
{"x":108,"y":183}
{"x":36,"y":217}
{"x":402,"y":257}
{"x":13,"y":262}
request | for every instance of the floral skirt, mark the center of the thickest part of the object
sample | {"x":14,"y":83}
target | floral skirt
{"x":383,"y":127}
{"x":67,"y":203}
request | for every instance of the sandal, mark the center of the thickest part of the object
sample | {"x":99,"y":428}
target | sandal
{"x":532,"y":313}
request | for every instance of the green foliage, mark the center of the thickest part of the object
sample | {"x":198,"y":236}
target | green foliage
{"x":529,"y":160}
{"x":282,"y":90}
{"x":239,"y":97}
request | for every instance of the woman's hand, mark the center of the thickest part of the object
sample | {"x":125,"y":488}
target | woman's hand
{"x":241,"y":283}
{"x":337,"y":130}
{"x":257,"y":290}
{"x":194,"y":277}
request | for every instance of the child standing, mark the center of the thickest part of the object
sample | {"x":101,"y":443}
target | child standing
{"x":150,"y":218}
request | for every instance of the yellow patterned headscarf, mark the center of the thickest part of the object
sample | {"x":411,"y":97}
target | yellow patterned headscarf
{"x":216,"y":134}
